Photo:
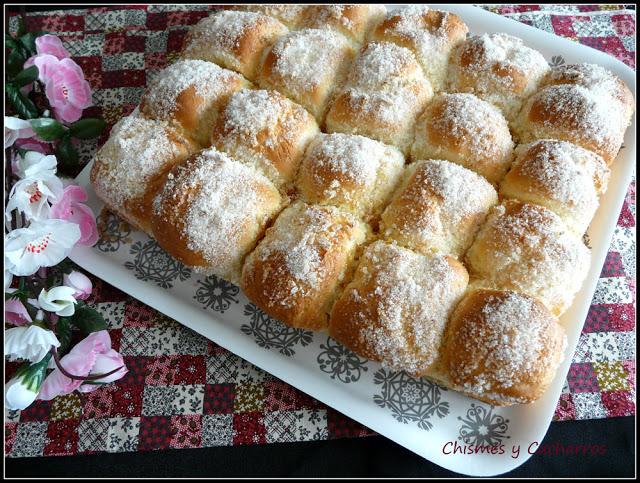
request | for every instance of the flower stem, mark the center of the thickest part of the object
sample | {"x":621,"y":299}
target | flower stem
{"x":95,"y":377}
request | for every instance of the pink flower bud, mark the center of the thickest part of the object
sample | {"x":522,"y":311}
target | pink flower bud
{"x":80,"y":282}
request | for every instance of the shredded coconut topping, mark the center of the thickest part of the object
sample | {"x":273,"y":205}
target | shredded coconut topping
{"x":308,"y":57}
{"x":209,"y":81}
{"x":381,"y":65}
{"x":409,"y":298}
{"x":223,"y":29}
{"x":137,"y":150}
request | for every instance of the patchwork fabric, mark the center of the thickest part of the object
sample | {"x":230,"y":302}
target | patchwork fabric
{"x":183,"y":391}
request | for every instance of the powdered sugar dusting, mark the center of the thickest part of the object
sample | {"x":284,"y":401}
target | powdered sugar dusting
{"x":223,"y":29}
{"x":411,"y":296}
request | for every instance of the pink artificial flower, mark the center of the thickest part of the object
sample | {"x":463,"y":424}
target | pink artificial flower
{"x":92,"y":355}
{"x":69,"y":207}
{"x":16,"y":313}
{"x":80,"y":282}
{"x":68,"y":91}
{"x":34,"y":144}
{"x":46,"y":64}
{"x":50,"y":44}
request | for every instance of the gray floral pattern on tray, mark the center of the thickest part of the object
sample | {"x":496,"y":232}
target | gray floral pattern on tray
{"x":152,"y":264}
{"x":114,"y":232}
{"x":273,"y":334}
{"x":482,"y":427}
{"x":216,"y":293}
{"x":410,"y":399}
{"x":340,"y":363}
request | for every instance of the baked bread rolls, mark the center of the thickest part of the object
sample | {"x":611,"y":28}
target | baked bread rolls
{"x":266,"y":130}
{"x":295,"y":272}
{"x":429,"y":34}
{"x":384,"y":94}
{"x":438,"y":207}
{"x":290,"y":15}
{"x":190,"y":94}
{"x":498,"y":68}
{"x":527,"y":248}
{"x":502,"y":347}
{"x":582,"y":104}
{"x":211,"y":212}
{"x":395,"y":309}
{"x":560,"y":176}
{"x":466,"y":130}
{"x":130,"y":166}
{"x":233,"y":39}
{"x":306,"y":66}
{"x":352,"y":21}
{"x":351,"y":172}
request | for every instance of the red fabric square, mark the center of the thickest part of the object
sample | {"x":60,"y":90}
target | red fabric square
{"x":139,"y":367}
{"x":630,"y":368}
{"x":155,"y":60}
{"x":177,"y":19}
{"x":124,"y":78}
{"x":135,"y":43}
{"x":563,"y":26}
{"x":62,"y":438}
{"x":156,"y":21}
{"x":624,"y":24}
{"x":248,"y":428}
{"x":218,"y":398}
{"x":304,"y":401}
{"x":626,"y":217}
{"x":127,"y":401}
{"x":98,"y":403}
{"x":161,"y":371}
{"x":155,"y":433}
{"x":566,"y":409}
{"x":618,"y":403}
{"x":340,"y":426}
{"x":114,"y":43}
{"x":102,"y":291}
{"x":175,"y":40}
{"x":622,"y":318}
{"x":37,"y":412}
{"x":10,"y":368}
{"x":190,"y":370}
{"x":279,"y":396}
{"x":186,"y":431}
{"x":136,"y":314}
{"x":597,"y":318}
{"x":10,"y":430}
{"x":612,"y":266}
{"x":582,"y":378}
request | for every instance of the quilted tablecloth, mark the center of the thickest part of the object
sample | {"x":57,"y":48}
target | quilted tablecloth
{"x":183,"y":391}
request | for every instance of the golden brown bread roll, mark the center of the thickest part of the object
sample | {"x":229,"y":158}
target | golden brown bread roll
{"x":560,"y":176}
{"x":395,"y":309}
{"x":129,"y":167}
{"x":502,"y":347}
{"x":466,"y":130}
{"x":596,"y":78}
{"x":267,"y":130}
{"x":233,"y":39}
{"x":429,"y":34}
{"x":438,"y":207}
{"x":352,"y":172}
{"x":290,"y":15}
{"x":191,"y":93}
{"x":352,"y":21}
{"x":584,"y":104}
{"x":384,"y":94}
{"x":527,"y":248}
{"x":295,"y":272}
{"x":306,"y":66}
{"x":212,"y":210}
{"x":498,"y":68}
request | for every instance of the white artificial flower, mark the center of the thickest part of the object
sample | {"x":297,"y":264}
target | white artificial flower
{"x":29,"y":342}
{"x":18,"y":394}
{"x":14,"y":129}
{"x":34,"y":164}
{"x":33,"y":196}
{"x":59,"y":300}
{"x":42,"y":244}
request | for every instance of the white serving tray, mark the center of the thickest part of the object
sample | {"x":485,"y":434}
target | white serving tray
{"x":414,"y":413}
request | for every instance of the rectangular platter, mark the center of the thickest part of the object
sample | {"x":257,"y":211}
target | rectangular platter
{"x":419,"y":415}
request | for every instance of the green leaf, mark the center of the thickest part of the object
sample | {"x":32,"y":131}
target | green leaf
{"x":34,"y":374}
{"x":24,"y":106}
{"x":88,"y":128}
{"x":29,"y":42}
{"x":67,"y":154}
{"x":27,"y":76}
{"x":10,"y":41}
{"x":15,"y":62}
{"x":63,"y":331}
{"x":87,"y":320}
{"x":48,"y":129}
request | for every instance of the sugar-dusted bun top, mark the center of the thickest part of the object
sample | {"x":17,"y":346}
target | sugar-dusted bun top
{"x":503,"y":346}
{"x":467,"y":130}
{"x":304,"y":56}
{"x":214,"y":201}
{"x":138,"y":149}
{"x":353,"y":21}
{"x":575,"y":113}
{"x":498,"y":68}
{"x":290,"y":15}
{"x":560,"y":175}
{"x":397,"y":305}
